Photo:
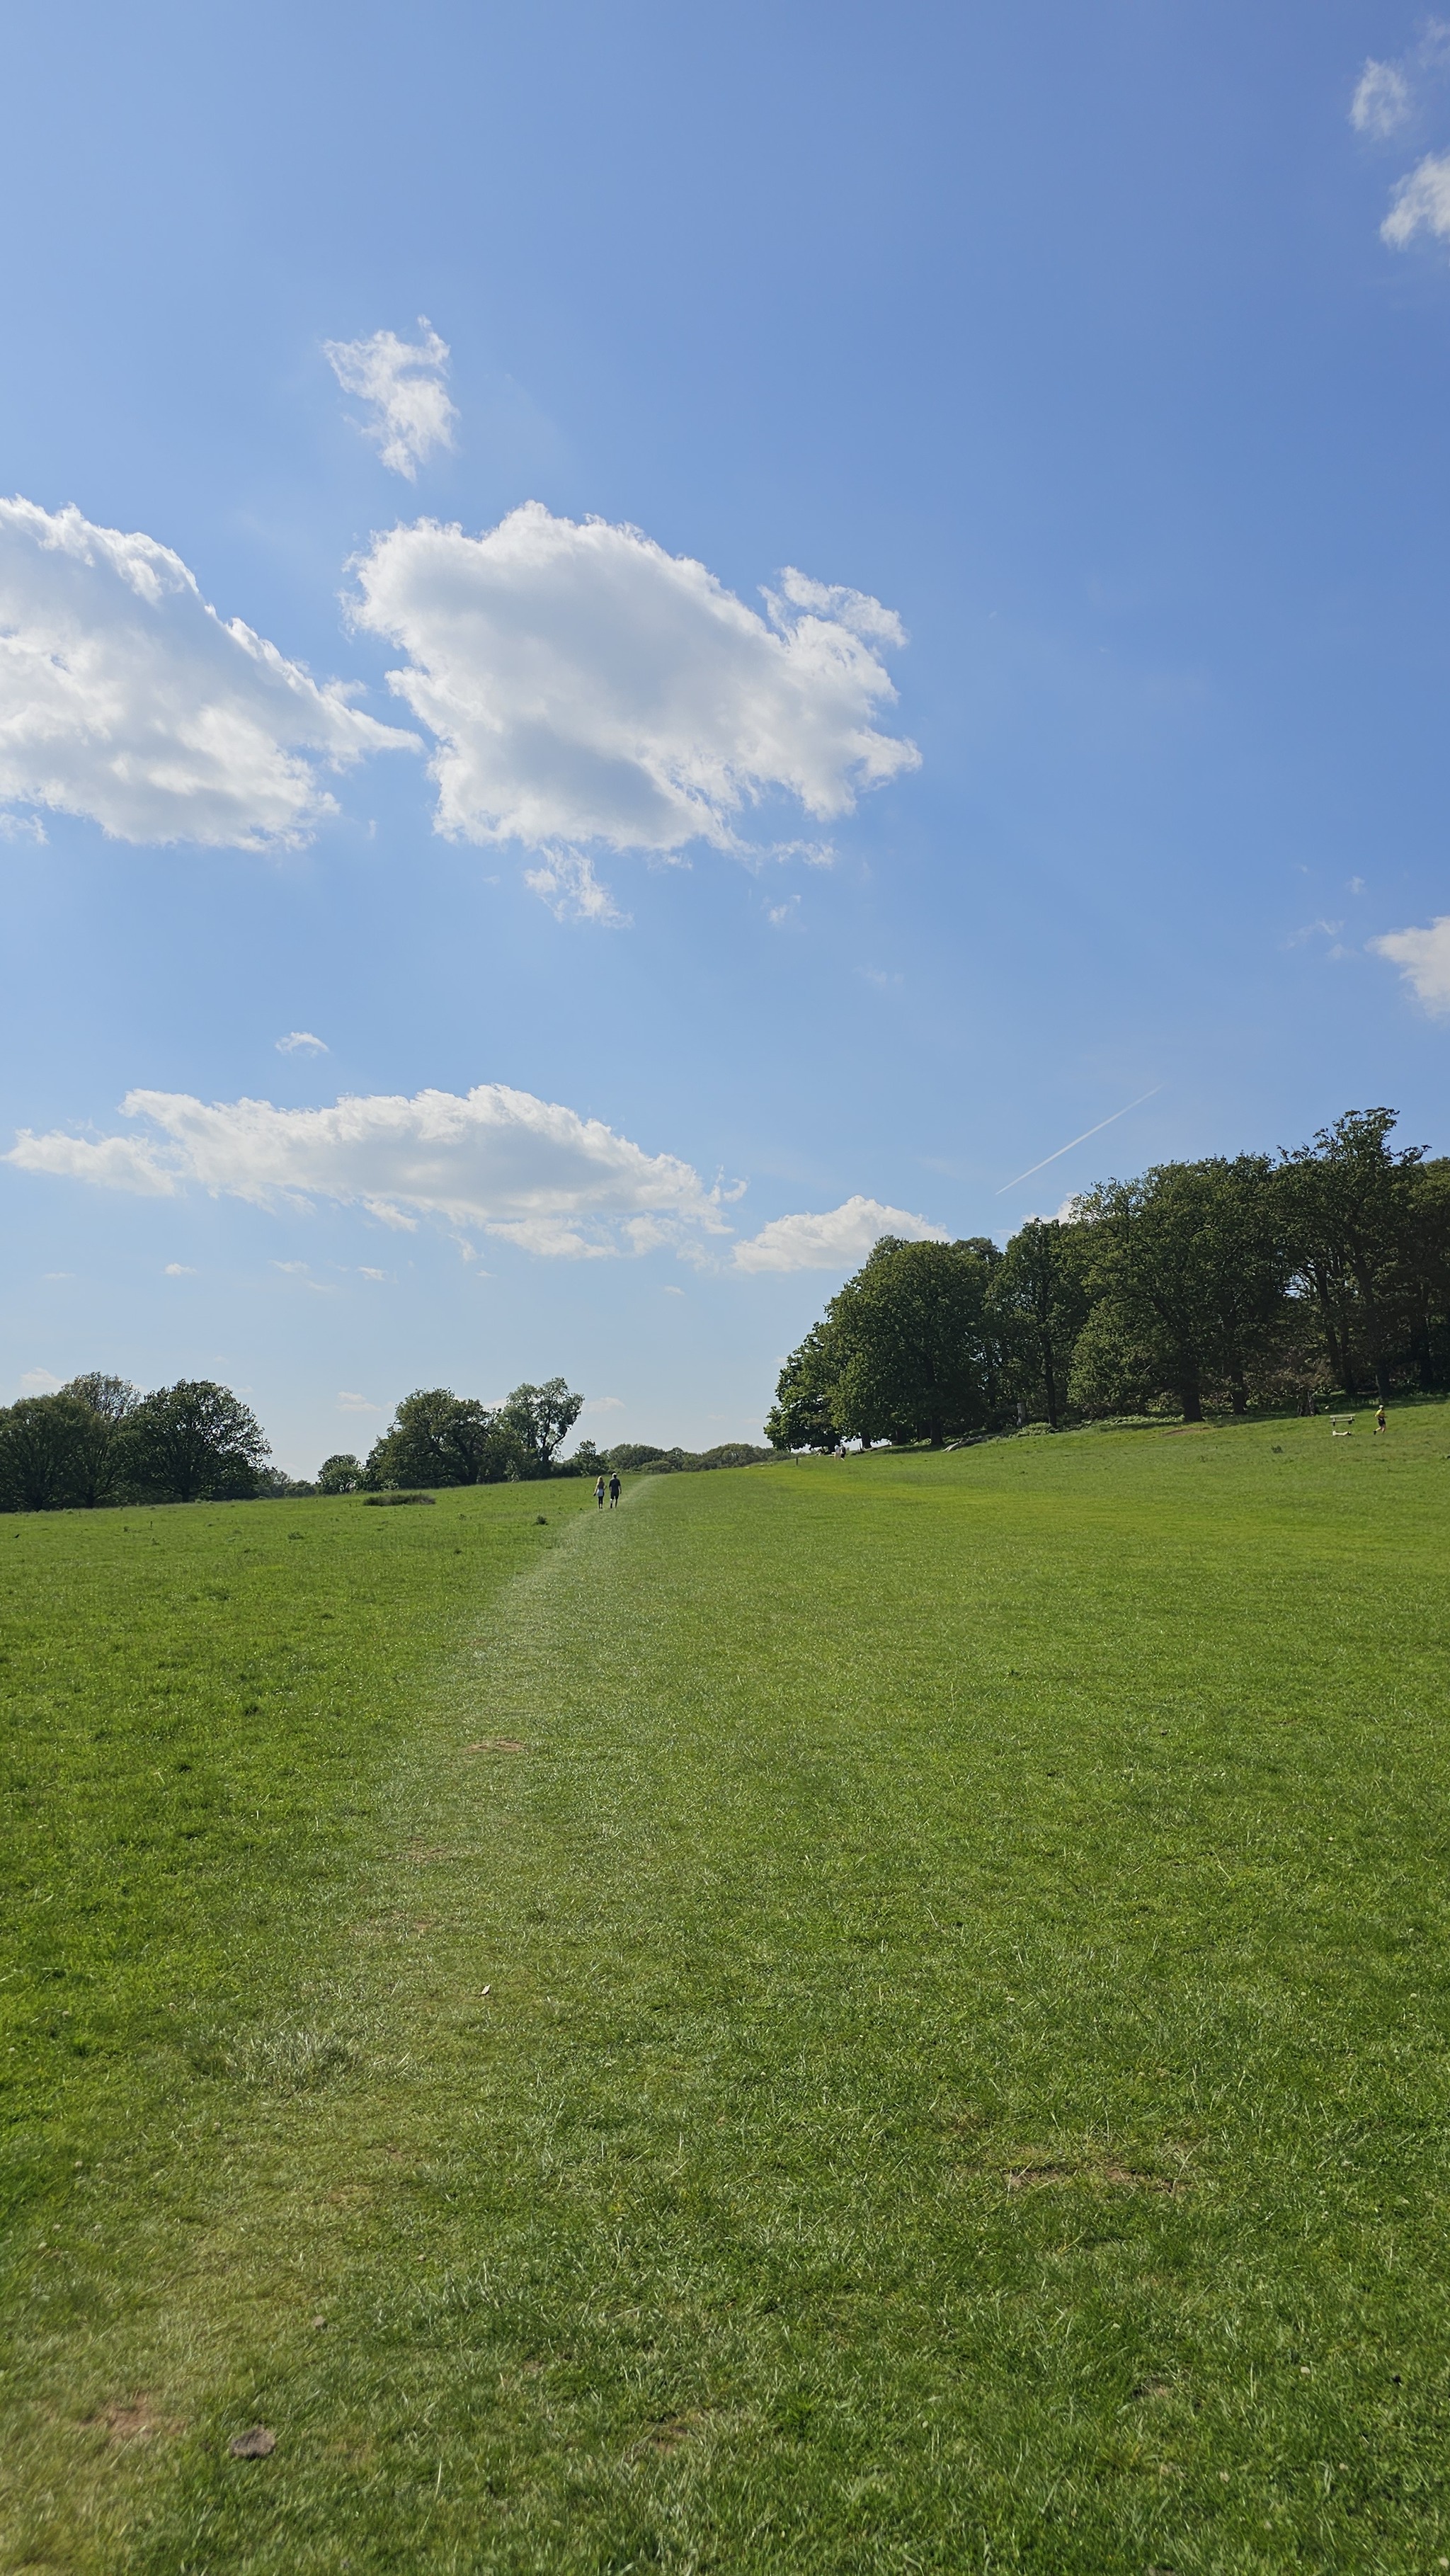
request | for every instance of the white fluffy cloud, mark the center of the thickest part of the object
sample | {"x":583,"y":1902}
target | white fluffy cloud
{"x":1423,"y":958}
{"x":1381,"y":101}
{"x":401,"y":381}
{"x":524,"y":1169}
{"x":1421,"y":203}
{"x":302,"y":1042}
{"x":837,"y":1241}
{"x":124,"y":697}
{"x":583,"y":685}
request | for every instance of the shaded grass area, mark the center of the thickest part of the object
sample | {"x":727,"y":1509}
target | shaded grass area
{"x":882,"y":2015}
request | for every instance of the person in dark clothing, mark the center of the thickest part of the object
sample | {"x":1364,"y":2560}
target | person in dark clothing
{"x":615,"y":1490}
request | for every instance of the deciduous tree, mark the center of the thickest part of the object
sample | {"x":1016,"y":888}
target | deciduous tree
{"x":43,"y":1453}
{"x":439,"y":1438}
{"x":541,"y":1419}
{"x":109,"y":1403}
{"x":801,"y":1416}
{"x":909,"y":1348}
{"x":1040,"y":1301}
{"x":193,"y":1442}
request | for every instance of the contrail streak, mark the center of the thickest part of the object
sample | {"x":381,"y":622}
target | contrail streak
{"x":1079,"y":1140}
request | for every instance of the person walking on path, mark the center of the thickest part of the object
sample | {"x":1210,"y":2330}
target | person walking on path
{"x":614,"y":1489}
{"x":599,"y":1493}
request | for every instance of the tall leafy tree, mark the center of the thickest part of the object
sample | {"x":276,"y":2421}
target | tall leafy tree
{"x":1349,"y":1198}
{"x":1039,"y":1304}
{"x":1427,"y":1271}
{"x":193,"y":1442}
{"x":909,"y":1345}
{"x":43,"y":1453}
{"x":109,"y":1403}
{"x":801,"y":1416}
{"x":541,"y":1419}
{"x":1191,"y":1266}
{"x":340,"y":1474}
{"x":439,"y":1438}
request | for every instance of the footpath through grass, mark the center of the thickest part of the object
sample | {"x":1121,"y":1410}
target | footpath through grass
{"x":845,"y":2017}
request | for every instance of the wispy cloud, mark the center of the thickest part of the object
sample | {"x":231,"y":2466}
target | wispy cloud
{"x":526,"y":1170}
{"x":1313,"y":930}
{"x":1423,"y":958}
{"x":126,"y":699}
{"x":347,"y":1402}
{"x":301,"y":1042}
{"x":1391,"y":96}
{"x":402,"y":383}
{"x":837,"y":1240}
{"x":585,"y":686}
{"x":1421,"y":204}
{"x":566,"y":882}
{"x":178,"y":1270}
{"x":39,"y":1382}
{"x":1381,"y":102}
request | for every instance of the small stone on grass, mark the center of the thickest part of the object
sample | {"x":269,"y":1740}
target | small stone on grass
{"x":258,"y":2444}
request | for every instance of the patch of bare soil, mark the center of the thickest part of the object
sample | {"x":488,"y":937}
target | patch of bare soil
{"x":136,"y":2421}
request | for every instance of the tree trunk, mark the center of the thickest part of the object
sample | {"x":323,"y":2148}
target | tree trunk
{"x":938,"y":1434}
{"x":1238,"y":1393}
{"x":1050,"y":1385}
{"x":1192,"y":1399}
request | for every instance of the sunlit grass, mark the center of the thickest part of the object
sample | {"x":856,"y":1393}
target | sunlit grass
{"x":883,"y":2015}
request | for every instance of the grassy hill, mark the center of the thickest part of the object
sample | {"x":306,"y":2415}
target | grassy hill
{"x":884,"y":2015}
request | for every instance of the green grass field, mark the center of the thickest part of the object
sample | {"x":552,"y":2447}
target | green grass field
{"x":870,"y":2016}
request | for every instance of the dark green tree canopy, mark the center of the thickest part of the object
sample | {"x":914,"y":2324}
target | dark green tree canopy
{"x":110,"y":1402}
{"x":43,"y":1453}
{"x":540,"y":1419}
{"x":1235,"y":1280}
{"x":193,"y":1442}
{"x":1190,"y":1261}
{"x":1039,"y":1304}
{"x":439,"y":1438}
{"x":1349,"y":1200}
{"x":909,"y":1345}
{"x":340,"y":1474}
{"x":801,"y":1416}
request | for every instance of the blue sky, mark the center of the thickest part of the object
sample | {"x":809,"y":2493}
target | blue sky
{"x":1089,"y":369}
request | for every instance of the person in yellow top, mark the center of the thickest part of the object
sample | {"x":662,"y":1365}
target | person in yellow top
{"x":1379,"y":1419}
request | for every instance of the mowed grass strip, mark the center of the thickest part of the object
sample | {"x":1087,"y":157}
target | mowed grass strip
{"x":885,"y":2016}
{"x":200,"y":1715}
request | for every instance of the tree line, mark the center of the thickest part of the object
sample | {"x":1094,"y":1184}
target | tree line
{"x":100,"y":1441}
{"x":1234,"y":1282}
